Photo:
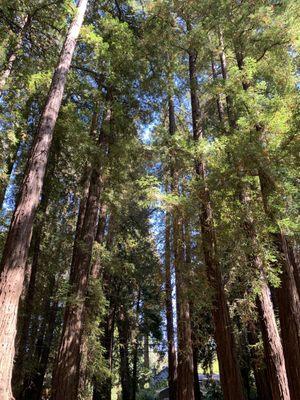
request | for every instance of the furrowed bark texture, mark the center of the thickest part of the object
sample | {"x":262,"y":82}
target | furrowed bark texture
{"x":271,"y":339}
{"x":230,"y":375}
{"x":18,"y":240}
{"x":287,"y":294}
{"x":66,"y":374}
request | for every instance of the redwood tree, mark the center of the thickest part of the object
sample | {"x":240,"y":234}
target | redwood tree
{"x":18,"y":239}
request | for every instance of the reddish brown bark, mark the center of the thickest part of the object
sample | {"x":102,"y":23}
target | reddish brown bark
{"x":124,"y":337}
{"x":287,"y":294}
{"x":185,"y":368}
{"x":66,"y":373}
{"x":29,"y":300}
{"x":18,"y":239}
{"x":258,"y":365}
{"x":272,"y":344}
{"x":172,"y":359}
{"x":229,"y":370}
{"x":33,"y":384}
{"x":102,"y":390}
{"x":169,"y":314}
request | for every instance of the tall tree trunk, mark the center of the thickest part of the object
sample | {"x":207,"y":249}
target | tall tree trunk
{"x":272,"y":344}
{"x":197,"y":389}
{"x":25,"y":318}
{"x":271,"y":339}
{"x":287,"y":294}
{"x":135,"y":350}
{"x":146,"y":352}
{"x":18,"y":239}
{"x":229,"y":370}
{"x":123,"y":328}
{"x":172,"y":377}
{"x":28,"y":302}
{"x":258,"y":366}
{"x":185,"y":369}
{"x":102,"y":390}
{"x":10,"y":165}
{"x":66,"y":375}
{"x":13,"y":53}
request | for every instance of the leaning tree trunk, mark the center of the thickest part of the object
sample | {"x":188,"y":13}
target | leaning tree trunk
{"x":18,"y":370}
{"x":230,"y":374}
{"x":271,"y":339}
{"x":26,"y":317}
{"x":13,"y":54}
{"x":272,"y":345}
{"x":18,"y":239}
{"x":287,"y":293}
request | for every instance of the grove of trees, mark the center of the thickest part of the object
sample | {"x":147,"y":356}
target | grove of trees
{"x":149,"y":203}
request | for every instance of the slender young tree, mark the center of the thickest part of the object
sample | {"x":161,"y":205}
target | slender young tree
{"x":13,"y":53}
{"x":172,"y":361}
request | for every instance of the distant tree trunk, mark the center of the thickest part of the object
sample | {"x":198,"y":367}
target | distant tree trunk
{"x":13,"y":53}
{"x":67,"y":370}
{"x":230,"y":374}
{"x":146,"y":352}
{"x":197,"y":390}
{"x":124,"y":335}
{"x":33,"y":391}
{"x":102,"y":390}
{"x":169,"y":313}
{"x":135,"y":351}
{"x":10,"y":166}
{"x":258,"y":366}
{"x":18,"y":239}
